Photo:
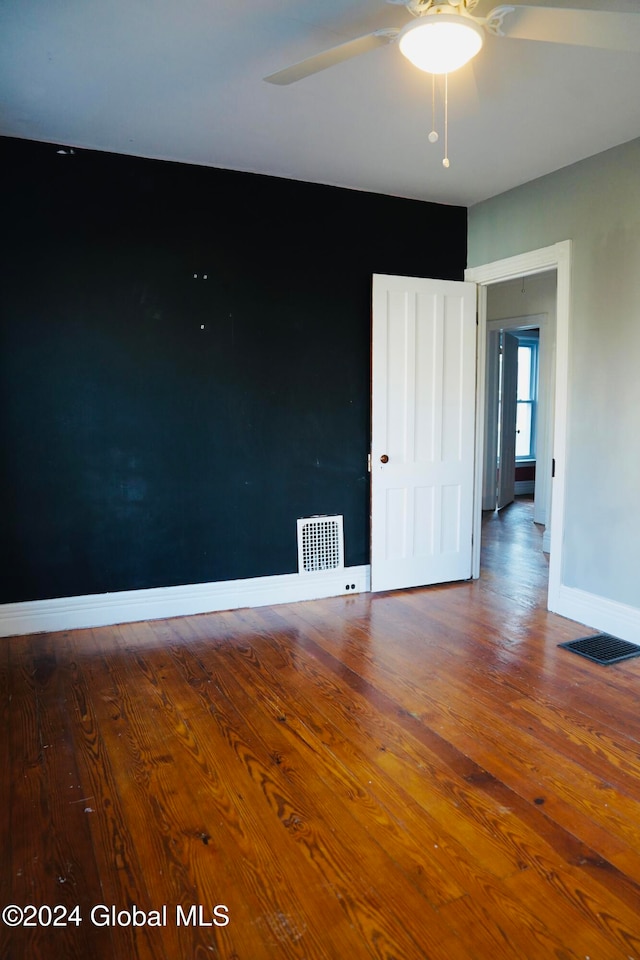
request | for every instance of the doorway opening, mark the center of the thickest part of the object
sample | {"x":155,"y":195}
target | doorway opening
{"x":519,"y":400}
{"x":520,"y":345}
{"x":501,"y":279}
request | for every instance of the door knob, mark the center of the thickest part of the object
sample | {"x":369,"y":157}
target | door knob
{"x":384,"y":458}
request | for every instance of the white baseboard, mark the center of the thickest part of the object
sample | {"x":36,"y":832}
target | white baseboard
{"x":101,"y":610}
{"x":106,"y":609}
{"x":608,"y":616}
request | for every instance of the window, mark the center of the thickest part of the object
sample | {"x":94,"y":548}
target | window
{"x":527,"y":397}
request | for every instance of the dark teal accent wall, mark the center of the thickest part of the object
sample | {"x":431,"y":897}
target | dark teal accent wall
{"x":161,"y":429}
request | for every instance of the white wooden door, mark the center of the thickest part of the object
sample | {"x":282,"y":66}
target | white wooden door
{"x":423,"y":419}
{"x":508,"y":412}
{"x":491,"y":418}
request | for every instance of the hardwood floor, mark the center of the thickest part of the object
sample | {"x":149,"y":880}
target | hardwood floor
{"x":414,"y":775}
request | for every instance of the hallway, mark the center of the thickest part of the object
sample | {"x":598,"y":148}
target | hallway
{"x":511,"y":561}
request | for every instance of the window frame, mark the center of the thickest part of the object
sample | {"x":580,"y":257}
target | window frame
{"x":533,"y":344}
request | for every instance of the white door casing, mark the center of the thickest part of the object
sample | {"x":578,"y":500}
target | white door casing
{"x":423,"y":422}
{"x":558,"y":257}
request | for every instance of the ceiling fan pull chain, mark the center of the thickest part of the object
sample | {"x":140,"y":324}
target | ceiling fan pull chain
{"x":433,"y":136}
{"x":445,"y":160}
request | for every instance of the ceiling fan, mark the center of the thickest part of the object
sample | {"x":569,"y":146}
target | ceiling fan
{"x":445,"y":34}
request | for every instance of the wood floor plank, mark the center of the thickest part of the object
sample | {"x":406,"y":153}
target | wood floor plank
{"x":419,"y":775}
{"x":536,"y":933}
{"x":200,"y":842}
{"x":6,"y":787}
{"x":459,"y":713}
{"x":123,"y":877}
{"x":226,"y":740}
{"x":52,"y":854}
{"x":505,"y":927}
{"x":323,"y":827}
{"x":224,"y":849}
{"x":308,"y":705}
{"x":359,"y":783}
{"x":595,"y":930}
{"x":579,"y":796}
{"x":452,"y":717}
{"x":595,"y":745}
{"x":431,"y":790}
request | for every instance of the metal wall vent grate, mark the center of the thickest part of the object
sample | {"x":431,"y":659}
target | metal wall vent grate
{"x":603,"y":648}
{"x":320,"y":544}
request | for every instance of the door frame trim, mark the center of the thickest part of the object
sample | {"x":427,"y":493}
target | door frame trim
{"x":558,"y":257}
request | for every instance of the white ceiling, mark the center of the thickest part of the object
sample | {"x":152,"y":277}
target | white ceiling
{"x":183,"y":80}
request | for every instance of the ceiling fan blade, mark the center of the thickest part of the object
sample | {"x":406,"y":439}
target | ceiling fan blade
{"x":333,"y":56}
{"x":586,"y":28}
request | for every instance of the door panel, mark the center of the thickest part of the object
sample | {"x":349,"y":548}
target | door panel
{"x":423,"y":410}
{"x":491,"y":411}
{"x":508,"y":411}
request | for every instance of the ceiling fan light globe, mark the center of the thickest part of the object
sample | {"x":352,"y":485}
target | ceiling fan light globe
{"x":441,"y":43}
